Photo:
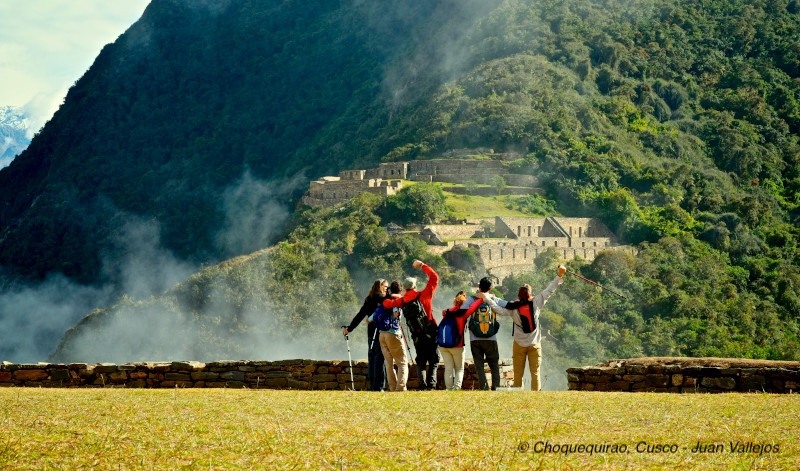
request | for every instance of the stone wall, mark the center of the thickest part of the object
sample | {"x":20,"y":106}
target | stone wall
{"x":338,"y":191}
{"x":457,"y":231}
{"x":285,"y":374}
{"x":481,"y":171}
{"x":688,"y":375}
{"x":503,"y":259}
{"x":330,"y":191}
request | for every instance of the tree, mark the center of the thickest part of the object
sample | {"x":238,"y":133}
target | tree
{"x":499,"y":183}
{"x":423,"y":203}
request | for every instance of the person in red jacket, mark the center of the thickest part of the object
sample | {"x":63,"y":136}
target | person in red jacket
{"x":453,"y":355}
{"x":424,"y":336}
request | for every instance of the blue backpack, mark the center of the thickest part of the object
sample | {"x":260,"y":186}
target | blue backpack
{"x":448,"y":335}
{"x":382,"y":318}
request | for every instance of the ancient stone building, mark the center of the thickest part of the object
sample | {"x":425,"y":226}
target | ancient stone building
{"x":330,"y":191}
{"x":506,"y":245}
{"x":516,"y":241}
{"x":386,"y":179}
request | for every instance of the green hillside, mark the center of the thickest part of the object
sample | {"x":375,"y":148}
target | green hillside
{"x":675,"y":122}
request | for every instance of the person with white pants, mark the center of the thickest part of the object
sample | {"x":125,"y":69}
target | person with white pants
{"x":453,"y":357}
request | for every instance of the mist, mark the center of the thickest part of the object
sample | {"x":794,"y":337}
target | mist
{"x":443,"y":52}
{"x":35,"y":317}
{"x":255,"y":213}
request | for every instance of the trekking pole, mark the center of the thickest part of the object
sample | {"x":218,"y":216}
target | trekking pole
{"x":349,"y":359}
{"x":374,"y":335}
{"x":597,"y":284}
{"x":403,"y":330}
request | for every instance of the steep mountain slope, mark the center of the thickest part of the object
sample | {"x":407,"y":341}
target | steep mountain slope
{"x":194,"y":95}
{"x":676,"y":123}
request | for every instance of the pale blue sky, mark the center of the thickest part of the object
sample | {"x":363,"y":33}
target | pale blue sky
{"x":47,"y":45}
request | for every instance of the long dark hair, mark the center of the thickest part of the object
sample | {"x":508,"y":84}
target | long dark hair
{"x":375,"y":291}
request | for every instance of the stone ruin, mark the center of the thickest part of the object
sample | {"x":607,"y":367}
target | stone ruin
{"x":688,"y":375}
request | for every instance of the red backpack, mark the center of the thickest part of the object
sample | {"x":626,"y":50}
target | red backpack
{"x":527,"y":321}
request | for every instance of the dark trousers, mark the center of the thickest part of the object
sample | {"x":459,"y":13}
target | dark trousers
{"x":427,"y":363}
{"x":375,"y":364}
{"x":485,"y":351}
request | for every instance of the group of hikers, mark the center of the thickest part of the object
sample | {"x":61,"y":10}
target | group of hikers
{"x":474,"y":313}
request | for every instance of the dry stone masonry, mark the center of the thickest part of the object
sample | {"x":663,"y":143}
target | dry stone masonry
{"x":517,"y":241}
{"x":688,"y":375}
{"x":508,"y":245}
{"x":387,"y":179}
{"x":285,"y":374}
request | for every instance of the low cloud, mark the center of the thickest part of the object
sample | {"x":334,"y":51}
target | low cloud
{"x":33,"y":319}
{"x":255,"y":212}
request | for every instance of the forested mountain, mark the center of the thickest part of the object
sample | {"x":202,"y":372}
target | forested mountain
{"x":196,"y":94}
{"x":675,"y":122}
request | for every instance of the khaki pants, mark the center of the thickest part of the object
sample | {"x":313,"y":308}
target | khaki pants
{"x":533,"y":355}
{"x":394,"y":353}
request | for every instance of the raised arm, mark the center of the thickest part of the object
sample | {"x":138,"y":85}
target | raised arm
{"x":433,"y":279}
{"x":551,"y":288}
{"x":496,"y":307}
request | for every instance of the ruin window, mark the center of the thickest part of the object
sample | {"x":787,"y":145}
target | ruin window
{"x":543,"y":242}
{"x":555,"y":243}
{"x":570,"y":231}
{"x":595,"y":243}
{"x":583,"y":244}
{"x":580,"y":232}
{"x":529,"y":231}
{"x":539,"y":230}
{"x":519,"y":230}
{"x":490,"y":254}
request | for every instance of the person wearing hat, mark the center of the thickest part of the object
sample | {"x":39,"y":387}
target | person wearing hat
{"x":391,"y":341}
{"x":427,"y":354}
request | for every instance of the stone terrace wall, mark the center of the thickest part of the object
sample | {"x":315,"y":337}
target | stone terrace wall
{"x":286,"y":374}
{"x":688,"y":375}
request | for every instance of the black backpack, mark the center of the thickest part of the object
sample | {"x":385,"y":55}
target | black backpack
{"x":417,"y":321}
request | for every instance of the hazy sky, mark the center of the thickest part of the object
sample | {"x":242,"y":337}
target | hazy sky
{"x":47,"y":45}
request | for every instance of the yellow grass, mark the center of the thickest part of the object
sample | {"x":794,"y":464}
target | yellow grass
{"x":262,"y":429}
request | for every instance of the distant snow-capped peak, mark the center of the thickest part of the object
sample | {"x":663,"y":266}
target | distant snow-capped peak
{"x":13,"y":117}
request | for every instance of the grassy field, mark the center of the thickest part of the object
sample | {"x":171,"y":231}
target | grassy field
{"x":476,"y":207}
{"x":264,"y":429}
